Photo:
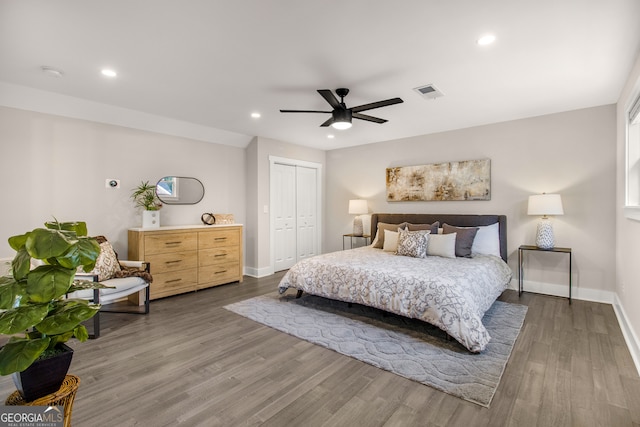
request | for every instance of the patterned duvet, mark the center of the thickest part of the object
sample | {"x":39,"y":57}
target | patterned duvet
{"x":452,"y":294}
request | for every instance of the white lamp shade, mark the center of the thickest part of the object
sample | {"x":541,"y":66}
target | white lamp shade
{"x":358,"y":207}
{"x":545,"y":204}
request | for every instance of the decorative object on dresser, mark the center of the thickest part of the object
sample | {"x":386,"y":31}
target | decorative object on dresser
{"x":144,"y":196}
{"x":358,"y":207}
{"x":208,"y":218}
{"x":464,"y":180}
{"x":545,"y":204}
{"x":32,"y":301}
{"x":188,"y":258}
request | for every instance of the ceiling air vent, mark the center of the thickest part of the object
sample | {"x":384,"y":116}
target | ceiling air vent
{"x":429,"y":92}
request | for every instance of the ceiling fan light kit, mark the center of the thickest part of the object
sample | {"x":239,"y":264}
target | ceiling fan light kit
{"x":341,"y":116}
{"x":341,"y":119}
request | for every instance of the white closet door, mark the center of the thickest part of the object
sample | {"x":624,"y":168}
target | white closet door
{"x":306,"y":211}
{"x":284,"y":211}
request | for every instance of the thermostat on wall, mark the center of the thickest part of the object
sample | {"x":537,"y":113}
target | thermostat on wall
{"x":112,"y":183}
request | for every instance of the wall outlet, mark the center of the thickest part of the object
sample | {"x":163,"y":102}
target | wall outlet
{"x":112,"y":183}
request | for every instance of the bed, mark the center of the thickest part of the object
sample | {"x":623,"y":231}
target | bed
{"x":450,"y":292}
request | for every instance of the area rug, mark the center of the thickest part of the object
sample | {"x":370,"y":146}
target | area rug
{"x":407,"y":347}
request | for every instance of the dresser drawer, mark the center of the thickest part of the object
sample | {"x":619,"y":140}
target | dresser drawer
{"x":221,"y":255}
{"x":173,"y":282}
{"x":217,"y":238}
{"x":218,"y":274}
{"x":170,"y":242}
{"x":161,"y":263}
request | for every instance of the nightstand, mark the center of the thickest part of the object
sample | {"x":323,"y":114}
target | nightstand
{"x":523,"y":248}
{"x":363,"y":240}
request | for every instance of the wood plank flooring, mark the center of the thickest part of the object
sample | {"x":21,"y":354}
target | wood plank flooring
{"x":192,"y":363}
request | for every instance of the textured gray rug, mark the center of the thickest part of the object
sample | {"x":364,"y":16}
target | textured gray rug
{"x":406,"y":347}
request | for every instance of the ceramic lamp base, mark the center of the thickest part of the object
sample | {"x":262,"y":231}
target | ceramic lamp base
{"x":358,"y":229}
{"x":544,"y":236}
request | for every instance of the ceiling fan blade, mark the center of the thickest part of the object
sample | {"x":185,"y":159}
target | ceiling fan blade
{"x":378,"y":104}
{"x":304,"y":111}
{"x":327,"y":123}
{"x":329,"y":97}
{"x":368,"y":118}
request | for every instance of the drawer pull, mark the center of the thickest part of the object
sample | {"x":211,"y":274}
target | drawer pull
{"x":220,"y":272}
{"x":173,"y":281}
{"x":219,"y":255}
{"x":220,"y":238}
{"x":172,"y":262}
{"x":172,"y":243}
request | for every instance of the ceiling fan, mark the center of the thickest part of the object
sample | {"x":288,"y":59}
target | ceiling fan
{"x":341,"y":115}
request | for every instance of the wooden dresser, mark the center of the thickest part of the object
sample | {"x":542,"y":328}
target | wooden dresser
{"x":188,"y":258}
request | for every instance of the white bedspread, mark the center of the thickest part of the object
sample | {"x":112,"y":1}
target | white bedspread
{"x":452,"y":294}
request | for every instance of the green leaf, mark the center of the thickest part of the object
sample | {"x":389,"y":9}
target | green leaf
{"x":18,"y":354}
{"x":43,"y":243}
{"x":48,"y":282}
{"x":84,"y":253}
{"x":81,"y":334}
{"x":81,"y":285}
{"x":59,"y":339}
{"x":21,"y":264}
{"x":68,"y":315}
{"x":21,"y":318}
{"x":18,"y":242}
{"x":10,"y":293}
{"x":78,"y":227}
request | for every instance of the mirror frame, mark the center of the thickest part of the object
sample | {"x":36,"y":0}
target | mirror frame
{"x":164,"y":201}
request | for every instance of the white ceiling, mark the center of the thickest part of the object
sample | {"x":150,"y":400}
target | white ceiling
{"x":206,"y":65}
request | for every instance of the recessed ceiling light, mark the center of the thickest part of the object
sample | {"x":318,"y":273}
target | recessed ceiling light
{"x":108,"y":73}
{"x":255,"y":115}
{"x":486,"y":39}
{"x":51,"y":72}
{"x":331,"y":136}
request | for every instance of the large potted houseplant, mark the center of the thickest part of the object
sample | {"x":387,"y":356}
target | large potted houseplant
{"x":144,"y":196}
{"x":33,"y":308}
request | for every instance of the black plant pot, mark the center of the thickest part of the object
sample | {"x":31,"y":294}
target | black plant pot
{"x":44,"y":376}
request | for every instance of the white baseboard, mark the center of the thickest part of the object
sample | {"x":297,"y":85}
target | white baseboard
{"x":627,"y":331}
{"x":258,"y":272}
{"x":594,"y":295}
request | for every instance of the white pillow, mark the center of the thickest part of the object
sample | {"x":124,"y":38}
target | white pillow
{"x":443,"y":245}
{"x":487,"y":241}
{"x":390,"y":241}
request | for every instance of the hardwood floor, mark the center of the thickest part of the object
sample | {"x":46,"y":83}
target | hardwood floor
{"x":190,"y":362}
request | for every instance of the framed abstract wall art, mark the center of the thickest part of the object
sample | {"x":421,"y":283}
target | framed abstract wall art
{"x":464,"y":180}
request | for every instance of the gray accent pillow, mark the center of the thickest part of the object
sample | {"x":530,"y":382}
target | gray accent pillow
{"x":464,"y":238}
{"x":432,"y":227}
{"x":413,"y":243}
{"x":378,"y":242}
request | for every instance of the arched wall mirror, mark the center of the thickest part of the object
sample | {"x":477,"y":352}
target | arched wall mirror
{"x":179,"y":190}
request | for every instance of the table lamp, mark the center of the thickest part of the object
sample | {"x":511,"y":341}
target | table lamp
{"x":358,"y":207}
{"x":545,"y":204}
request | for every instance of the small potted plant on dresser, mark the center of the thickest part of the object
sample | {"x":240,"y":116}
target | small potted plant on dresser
{"x":32,"y":300}
{"x":144,"y":196}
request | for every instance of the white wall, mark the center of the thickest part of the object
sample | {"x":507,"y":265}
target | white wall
{"x":55,"y":166}
{"x":627,"y":231}
{"x":568,"y":153}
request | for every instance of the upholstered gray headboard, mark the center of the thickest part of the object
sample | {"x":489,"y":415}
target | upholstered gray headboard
{"x":460,"y":220}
